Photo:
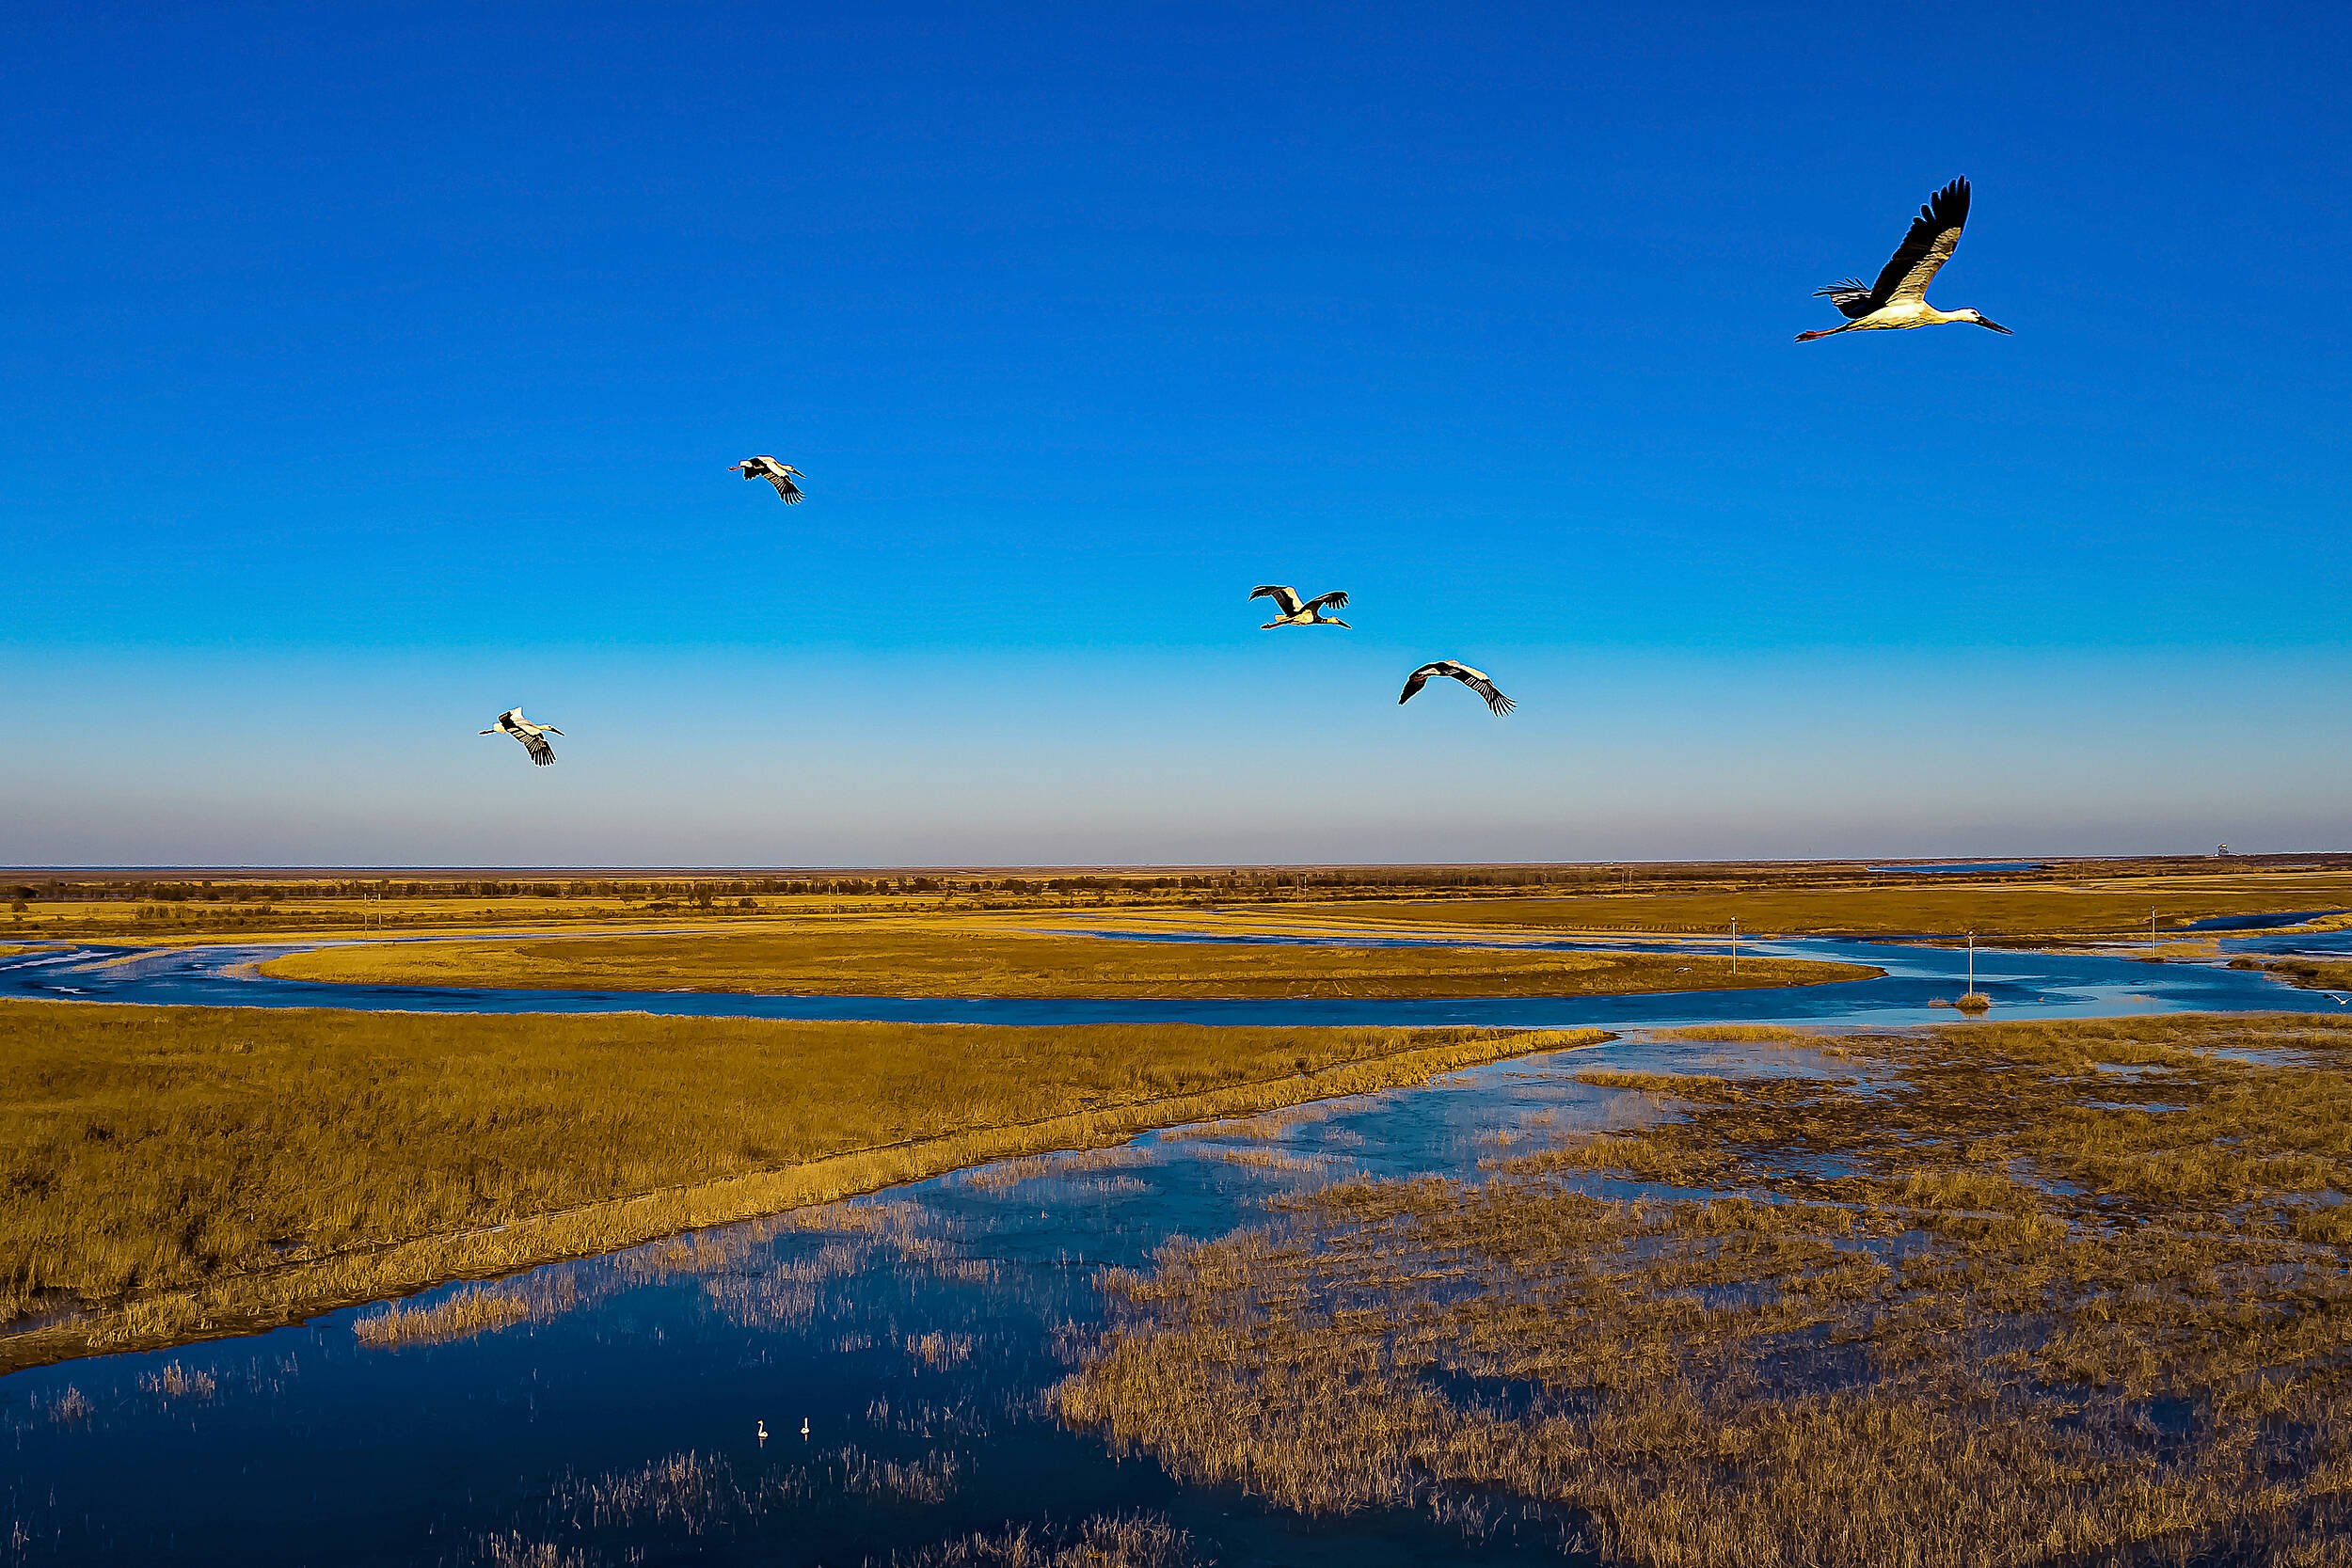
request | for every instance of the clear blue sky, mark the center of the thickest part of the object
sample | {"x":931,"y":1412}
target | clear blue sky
{"x":365,"y":371}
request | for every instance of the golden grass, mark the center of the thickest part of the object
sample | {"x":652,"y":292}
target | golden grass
{"x":2310,"y":974}
{"x":2003,"y":1305}
{"x":2051,"y":907}
{"x":461,"y":1315}
{"x":1751,"y":1032}
{"x":175,"y":1172}
{"x":951,"y":958}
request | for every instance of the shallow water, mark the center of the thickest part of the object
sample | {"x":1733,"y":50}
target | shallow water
{"x":2023,"y":984}
{"x":621,"y":1426}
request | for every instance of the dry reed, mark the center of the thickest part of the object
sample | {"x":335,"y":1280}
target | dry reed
{"x":186,"y":1172}
{"x":951,"y":959}
{"x":2037,"y":1294}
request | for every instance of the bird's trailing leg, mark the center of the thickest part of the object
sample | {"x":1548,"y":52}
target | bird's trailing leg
{"x":1825,"y":332}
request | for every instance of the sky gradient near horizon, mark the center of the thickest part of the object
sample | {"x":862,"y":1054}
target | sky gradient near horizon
{"x":366,"y":371}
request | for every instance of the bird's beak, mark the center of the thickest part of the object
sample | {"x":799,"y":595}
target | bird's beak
{"x":1995,"y":326}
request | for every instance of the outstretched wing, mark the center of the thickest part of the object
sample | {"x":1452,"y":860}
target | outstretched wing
{"x":1477,"y":682}
{"x":785,"y":487}
{"x":541,"y":753}
{"x":1851,"y":297}
{"x":1336,"y":601}
{"x":1285,"y":596}
{"x":1933,"y":236}
{"x":1419,"y":678}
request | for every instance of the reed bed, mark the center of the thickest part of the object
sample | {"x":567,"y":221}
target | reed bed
{"x":2033,"y":1293}
{"x":957,"y":959}
{"x":2055,"y":907}
{"x":1105,"y":1541}
{"x":2310,"y":974}
{"x":1754,"y":1034}
{"x":465,"y":1314}
{"x":174,"y":1173}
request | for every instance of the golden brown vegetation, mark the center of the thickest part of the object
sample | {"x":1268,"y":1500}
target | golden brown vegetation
{"x":944,"y":958}
{"x":2046,"y":907}
{"x":2034,"y":1294}
{"x":1106,"y":1541}
{"x":198,"y":905}
{"x":465,"y":1313}
{"x":192,"y":1170}
{"x":2310,"y":974}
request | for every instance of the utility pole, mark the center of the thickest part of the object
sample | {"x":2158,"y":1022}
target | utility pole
{"x":1972,"y":964}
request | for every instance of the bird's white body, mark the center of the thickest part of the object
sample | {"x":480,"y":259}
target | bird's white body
{"x":1899,"y":297}
{"x":1477,"y":680}
{"x":781,"y":475}
{"x":513,"y":722}
{"x":1299,"y":612}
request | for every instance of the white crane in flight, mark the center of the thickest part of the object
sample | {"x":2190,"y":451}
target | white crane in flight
{"x":1296,"y":613}
{"x":778,"y":474}
{"x":1477,"y":680}
{"x":1899,"y":297}
{"x":532,"y":736}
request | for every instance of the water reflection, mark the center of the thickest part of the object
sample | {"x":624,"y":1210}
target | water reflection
{"x":608,"y":1411}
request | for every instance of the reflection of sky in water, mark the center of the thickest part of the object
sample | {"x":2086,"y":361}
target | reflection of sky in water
{"x":2022,"y":984}
{"x":311,"y":1447}
{"x":916,"y":1331}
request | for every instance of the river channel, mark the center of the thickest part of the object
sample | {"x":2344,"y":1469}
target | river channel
{"x":913,"y":1332}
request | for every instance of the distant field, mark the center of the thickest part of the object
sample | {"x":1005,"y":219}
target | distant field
{"x":226,"y":1150}
{"x":943,"y":960}
{"x":2047,"y":908}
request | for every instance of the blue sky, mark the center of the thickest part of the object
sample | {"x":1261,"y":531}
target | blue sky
{"x":366,"y":371}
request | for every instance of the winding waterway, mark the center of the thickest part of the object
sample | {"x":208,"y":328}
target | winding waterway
{"x":914,"y":1331}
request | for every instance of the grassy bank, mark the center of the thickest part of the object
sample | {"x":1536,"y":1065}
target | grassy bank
{"x":959,"y":958}
{"x":2310,"y":974}
{"x":186,"y":1170}
{"x":2032,"y":1294}
{"x":2004,"y":909}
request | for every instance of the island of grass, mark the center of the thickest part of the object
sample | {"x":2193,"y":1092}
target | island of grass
{"x":2053,"y":909}
{"x":2308,"y":973}
{"x":2048,"y":1292}
{"x":952,"y":959}
{"x":177,"y":1172}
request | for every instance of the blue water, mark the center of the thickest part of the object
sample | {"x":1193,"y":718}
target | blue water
{"x":2022,"y":983}
{"x":303,"y":1446}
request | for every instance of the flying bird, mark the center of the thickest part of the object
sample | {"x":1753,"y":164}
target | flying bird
{"x":1477,"y":680}
{"x":1298,"y":614}
{"x":1899,"y":297}
{"x":513,"y":722}
{"x":778,"y":474}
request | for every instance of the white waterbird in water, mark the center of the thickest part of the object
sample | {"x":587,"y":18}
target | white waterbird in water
{"x":778,"y":474}
{"x":763,"y":1429}
{"x":513,"y":722}
{"x":1477,"y":680}
{"x":1296,"y":613}
{"x":1899,"y":297}
{"x":803,"y":1426}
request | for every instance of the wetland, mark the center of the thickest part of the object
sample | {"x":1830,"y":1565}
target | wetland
{"x":1773,"y":1273}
